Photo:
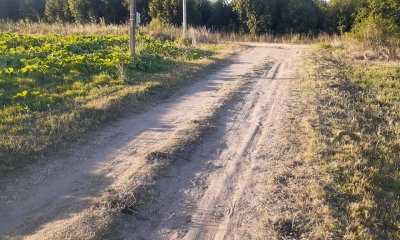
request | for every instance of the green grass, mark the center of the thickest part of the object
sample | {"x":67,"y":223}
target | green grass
{"x":54,"y":87}
{"x":358,"y":127}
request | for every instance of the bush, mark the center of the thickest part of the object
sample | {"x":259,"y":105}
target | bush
{"x":376,"y":31}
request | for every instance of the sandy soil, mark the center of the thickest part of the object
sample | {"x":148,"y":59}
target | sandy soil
{"x":207,"y":196}
{"x":214,"y":194}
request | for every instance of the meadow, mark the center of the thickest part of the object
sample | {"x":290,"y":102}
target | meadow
{"x":55,"y":86}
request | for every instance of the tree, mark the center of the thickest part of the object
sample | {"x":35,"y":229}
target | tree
{"x":303,"y":17}
{"x":113,"y":11}
{"x":378,"y":22}
{"x":22,"y":9}
{"x":9,"y":9}
{"x":167,"y":11}
{"x":58,"y":11}
{"x":142,"y":6}
{"x":256,"y":14}
{"x":84,"y":11}
{"x":198,"y":12}
{"x":279,"y":16}
{"x":343,"y":13}
{"x":32,"y":9}
{"x":222,"y":16}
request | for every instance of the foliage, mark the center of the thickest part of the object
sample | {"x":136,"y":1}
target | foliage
{"x":114,"y":11}
{"x":256,"y":14}
{"x":18,"y":9}
{"x":341,"y":15}
{"x":85,"y":10}
{"x":58,"y":11}
{"x":378,"y":22}
{"x":167,"y":11}
{"x":374,"y":22}
{"x":40,"y":72}
{"x":142,"y":6}
{"x":217,"y":14}
{"x":221,"y":16}
{"x":284,"y":16}
{"x":277,"y":17}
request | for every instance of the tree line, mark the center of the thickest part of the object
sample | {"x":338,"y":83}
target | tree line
{"x":248,"y":16}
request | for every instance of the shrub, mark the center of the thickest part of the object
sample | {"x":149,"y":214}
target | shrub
{"x":377,"y":31}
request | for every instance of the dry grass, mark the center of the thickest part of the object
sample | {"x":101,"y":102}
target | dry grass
{"x":338,"y":171}
{"x":269,"y":38}
{"x":158,"y":30}
{"x":354,"y":49}
{"x":356,"y":124}
{"x":293,"y":204}
{"x":25,"y":27}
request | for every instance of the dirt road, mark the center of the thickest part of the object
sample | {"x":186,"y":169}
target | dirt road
{"x":208,"y":195}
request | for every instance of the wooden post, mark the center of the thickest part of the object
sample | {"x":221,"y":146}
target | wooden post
{"x":132,"y":32}
{"x":184,"y":25}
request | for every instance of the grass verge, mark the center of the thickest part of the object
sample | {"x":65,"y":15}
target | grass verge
{"x":338,"y":171}
{"x":356,"y":124}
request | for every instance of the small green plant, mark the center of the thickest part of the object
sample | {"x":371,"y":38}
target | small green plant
{"x":325,"y":45}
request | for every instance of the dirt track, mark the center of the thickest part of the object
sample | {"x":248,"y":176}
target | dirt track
{"x":207,"y":196}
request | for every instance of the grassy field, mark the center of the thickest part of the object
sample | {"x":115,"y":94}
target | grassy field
{"x":357,"y":149}
{"x":56,"y":86}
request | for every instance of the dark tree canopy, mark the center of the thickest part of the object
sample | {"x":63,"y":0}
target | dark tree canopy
{"x":22,"y":9}
{"x":252,"y":16}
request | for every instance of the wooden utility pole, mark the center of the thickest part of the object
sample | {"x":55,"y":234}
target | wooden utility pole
{"x":184,"y":25}
{"x":132,"y":32}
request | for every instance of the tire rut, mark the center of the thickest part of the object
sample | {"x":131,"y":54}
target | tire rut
{"x":201,"y":197}
{"x":61,"y":186}
{"x":237,"y":168}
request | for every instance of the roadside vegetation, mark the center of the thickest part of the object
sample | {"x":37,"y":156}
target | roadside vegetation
{"x":54,"y":87}
{"x":337,"y":174}
{"x":349,"y":173}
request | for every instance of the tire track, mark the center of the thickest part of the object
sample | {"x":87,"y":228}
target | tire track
{"x":61,"y":187}
{"x":242,"y":157}
{"x":204,"y":195}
